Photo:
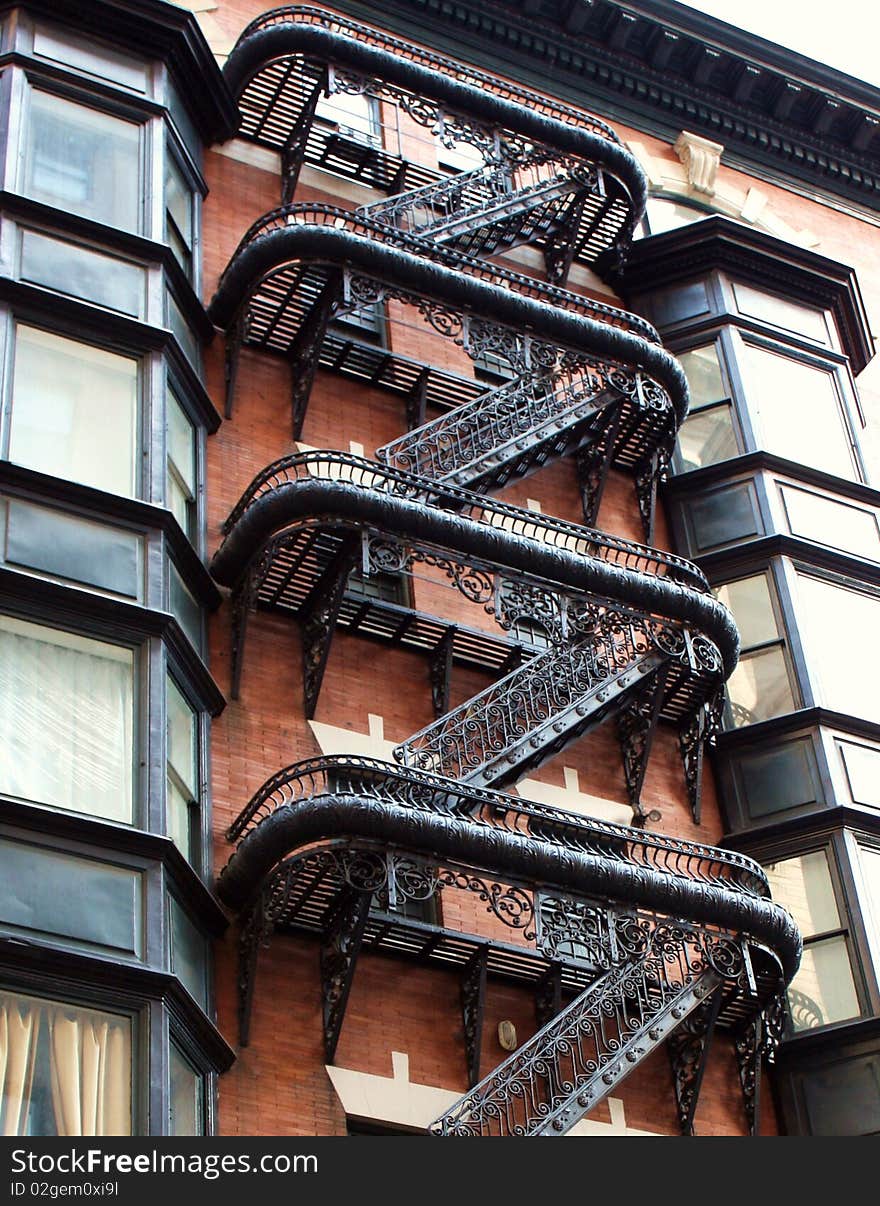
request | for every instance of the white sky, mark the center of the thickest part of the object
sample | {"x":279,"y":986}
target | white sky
{"x":844,"y":34}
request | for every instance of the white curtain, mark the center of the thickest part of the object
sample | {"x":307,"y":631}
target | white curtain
{"x":90,"y":1073}
{"x":19,"y":1033}
{"x":65,"y":720}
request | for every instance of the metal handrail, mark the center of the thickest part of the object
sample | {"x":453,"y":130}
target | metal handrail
{"x":423,"y":791}
{"x":559,"y":533}
{"x":308,"y":214}
{"x":462,"y":72}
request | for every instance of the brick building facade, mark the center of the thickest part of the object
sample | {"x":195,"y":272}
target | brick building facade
{"x":352,"y":766}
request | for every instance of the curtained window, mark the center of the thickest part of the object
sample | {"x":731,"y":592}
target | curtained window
{"x":64,"y":1070}
{"x":66,"y":720}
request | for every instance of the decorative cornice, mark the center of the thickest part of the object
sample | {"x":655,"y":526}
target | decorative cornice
{"x":661,"y":66}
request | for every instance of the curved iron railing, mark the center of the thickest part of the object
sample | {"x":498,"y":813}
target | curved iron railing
{"x":301,"y":15}
{"x":481,"y":807}
{"x":500,"y":516}
{"x":362,"y":225}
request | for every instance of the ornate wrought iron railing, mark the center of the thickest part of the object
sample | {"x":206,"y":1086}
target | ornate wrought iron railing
{"x":297,"y":15}
{"x":665,"y":972}
{"x":526,"y":410}
{"x":362,"y":225}
{"x":501,"y":517}
{"x":420,"y":791}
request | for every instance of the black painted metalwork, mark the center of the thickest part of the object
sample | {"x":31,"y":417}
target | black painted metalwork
{"x":666,"y":937}
{"x":548,"y":995}
{"x":318,"y":622}
{"x":473,"y":1004}
{"x":254,"y":932}
{"x":339,"y":953}
{"x":441,"y":672}
{"x":698,"y":729}
{"x":305,"y":348}
{"x":688,"y":1048}
{"x":274,"y":65}
{"x":636,"y":726}
{"x":592,"y":463}
{"x":665,"y":972}
{"x":749,"y":1048}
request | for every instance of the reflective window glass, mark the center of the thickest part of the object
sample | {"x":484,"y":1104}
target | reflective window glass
{"x":780,"y":312}
{"x":823,"y":990}
{"x":74,"y":410}
{"x":83,"y":161}
{"x":187,"y":1098}
{"x":797,"y":411}
{"x":181,"y":466}
{"x":838,"y":626}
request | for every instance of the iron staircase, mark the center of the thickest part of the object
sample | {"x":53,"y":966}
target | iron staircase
{"x":549,"y":1083}
{"x":493,"y":207}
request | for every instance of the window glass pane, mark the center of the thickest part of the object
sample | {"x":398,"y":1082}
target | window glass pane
{"x":750,"y":601}
{"x":74,"y":410}
{"x":72,"y":51}
{"x":869,"y":857}
{"x":188,"y":953}
{"x":182,"y":729}
{"x":182,"y":780}
{"x":66,"y":1070}
{"x":184,"y":332}
{"x":804,"y":886}
{"x":178,"y":212}
{"x":797,"y":412}
{"x":838,"y":628}
{"x":706,"y":437}
{"x":836,"y":524}
{"x":759,"y":688}
{"x":353,"y":114}
{"x":703,"y":371}
{"x":66,"y":720}
{"x":187,"y":1108}
{"x":181,"y":477}
{"x":780,"y":312}
{"x":81,"y":272}
{"x":823,"y":991}
{"x":83,"y":161}
{"x":186,"y":609}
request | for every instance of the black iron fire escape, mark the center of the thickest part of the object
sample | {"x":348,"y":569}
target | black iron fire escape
{"x":657,"y":940}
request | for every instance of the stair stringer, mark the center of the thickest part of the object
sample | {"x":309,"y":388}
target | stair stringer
{"x":572,"y":1064}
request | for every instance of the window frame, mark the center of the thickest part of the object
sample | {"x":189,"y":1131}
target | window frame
{"x":141,"y":709}
{"x":783,"y":641}
{"x":199,"y":833}
{"x":75,"y":92}
{"x":717,"y":338}
{"x":141,"y":453}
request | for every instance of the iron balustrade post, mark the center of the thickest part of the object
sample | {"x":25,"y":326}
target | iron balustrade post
{"x":688,"y":1050}
{"x":340,"y":947}
{"x":473,"y":1005}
